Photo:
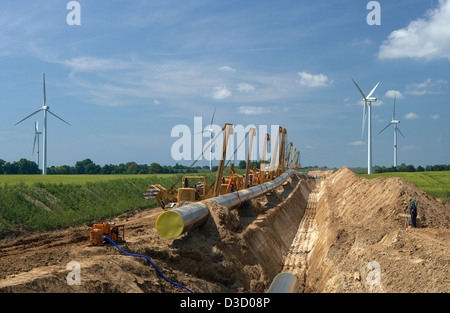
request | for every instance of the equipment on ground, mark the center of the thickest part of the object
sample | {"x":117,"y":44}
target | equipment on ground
{"x":99,"y":231}
{"x":196,"y":188}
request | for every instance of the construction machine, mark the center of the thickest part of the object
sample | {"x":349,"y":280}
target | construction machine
{"x":108,"y":229}
{"x":199,"y":190}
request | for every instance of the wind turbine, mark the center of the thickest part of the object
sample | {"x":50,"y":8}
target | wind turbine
{"x":46,"y":110}
{"x":395,"y":123}
{"x":211,"y":131}
{"x":368,"y":107}
{"x":36,"y":138}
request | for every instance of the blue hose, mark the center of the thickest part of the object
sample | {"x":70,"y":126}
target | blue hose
{"x":143,"y":256}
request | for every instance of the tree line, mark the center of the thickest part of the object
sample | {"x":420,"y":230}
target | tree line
{"x":410,"y":168}
{"x":87,"y":166}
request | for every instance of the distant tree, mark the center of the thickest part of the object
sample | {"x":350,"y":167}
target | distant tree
{"x":2,"y":163}
{"x":154,"y":168}
{"x":87,"y":167}
{"x":10,"y":168}
{"x":132,"y":168}
{"x":92,"y":169}
{"x":420,"y":169}
{"x":242,"y":165}
{"x":25,"y":166}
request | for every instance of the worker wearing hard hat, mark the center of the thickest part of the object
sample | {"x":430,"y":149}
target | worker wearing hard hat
{"x":413,"y":212}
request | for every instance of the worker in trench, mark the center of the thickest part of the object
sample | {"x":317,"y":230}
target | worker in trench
{"x":413,"y":212}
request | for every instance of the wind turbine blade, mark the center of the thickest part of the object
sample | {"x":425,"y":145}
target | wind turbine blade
{"x":362,"y":93}
{"x":57,"y":117}
{"x":203,"y":131}
{"x":34,"y":143}
{"x":212,"y":119}
{"x":370,"y":94}
{"x":43,"y":87}
{"x":364,"y":119}
{"x":400,"y":132}
{"x":28,"y":117}
{"x":393,"y":112}
{"x":385,"y":128}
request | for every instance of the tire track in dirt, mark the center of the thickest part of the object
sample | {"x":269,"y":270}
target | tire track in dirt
{"x":296,"y":261}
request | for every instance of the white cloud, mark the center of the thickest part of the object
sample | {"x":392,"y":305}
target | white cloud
{"x":361,"y":43}
{"x":411,"y":116}
{"x":393,"y":93}
{"x":251,"y":110}
{"x":310,"y":80}
{"x":356,"y":143}
{"x":410,"y":147}
{"x":428,"y":37}
{"x":435,"y":117}
{"x":374,"y":104}
{"x":221,"y":92}
{"x":244,"y":87}
{"x":92,"y":64}
{"x":427,"y":87}
{"x":227,"y":68}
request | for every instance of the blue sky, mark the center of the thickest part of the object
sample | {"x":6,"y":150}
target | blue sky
{"x":135,"y":69}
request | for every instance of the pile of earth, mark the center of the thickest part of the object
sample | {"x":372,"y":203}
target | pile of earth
{"x":364,"y":244}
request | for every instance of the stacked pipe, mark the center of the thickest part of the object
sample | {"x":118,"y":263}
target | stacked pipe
{"x":173,"y":223}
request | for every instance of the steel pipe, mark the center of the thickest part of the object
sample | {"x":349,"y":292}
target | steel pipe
{"x":173,"y":223}
{"x":284,"y":283}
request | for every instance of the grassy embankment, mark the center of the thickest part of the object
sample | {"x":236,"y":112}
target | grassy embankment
{"x":39,"y":202}
{"x":436,"y":184}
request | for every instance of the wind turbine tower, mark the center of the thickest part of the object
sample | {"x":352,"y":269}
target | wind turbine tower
{"x":46,"y":110}
{"x":368,"y":109}
{"x":395,"y":123}
{"x":36,"y":139}
{"x":211,"y":131}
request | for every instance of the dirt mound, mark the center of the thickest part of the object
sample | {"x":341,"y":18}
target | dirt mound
{"x":320,"y":173}
{"x":363,"y":244}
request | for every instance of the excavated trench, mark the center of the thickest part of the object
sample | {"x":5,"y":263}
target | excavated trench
{"x":244,"y":249}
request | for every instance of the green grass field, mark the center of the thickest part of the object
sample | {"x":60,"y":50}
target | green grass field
{"x":48,"y":202}
{"x":436,"y":184}
{"x":66,"y":179}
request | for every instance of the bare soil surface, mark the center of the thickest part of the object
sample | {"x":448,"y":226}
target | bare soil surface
{"x":341,"y":234}
{"x":363,"y":244}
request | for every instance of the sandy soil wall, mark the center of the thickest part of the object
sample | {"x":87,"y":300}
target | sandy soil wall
{"x":363,"y":244}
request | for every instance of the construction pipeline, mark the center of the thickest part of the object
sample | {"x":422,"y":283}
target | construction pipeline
{"x":173,"y":223}
{"x":181,"y":219}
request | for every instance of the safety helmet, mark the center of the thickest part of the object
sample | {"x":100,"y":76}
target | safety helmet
{"x":412,"y":201}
